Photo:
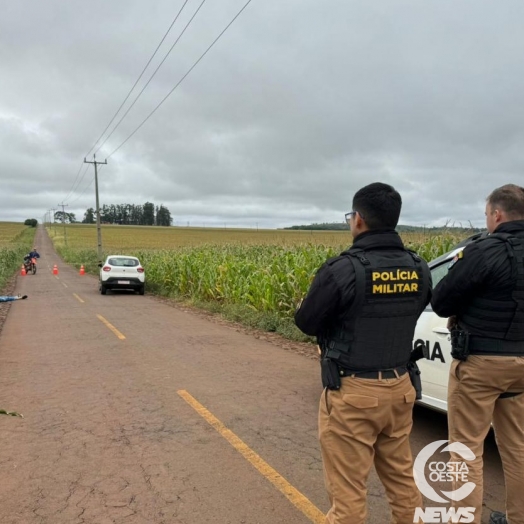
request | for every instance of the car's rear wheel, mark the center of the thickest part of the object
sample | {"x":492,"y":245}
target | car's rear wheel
{"x":141,"y":289}
{"x":103,"y":289}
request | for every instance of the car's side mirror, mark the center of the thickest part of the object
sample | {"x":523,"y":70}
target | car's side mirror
{"x":100,"y":264}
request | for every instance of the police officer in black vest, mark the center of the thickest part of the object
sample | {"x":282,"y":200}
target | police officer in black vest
{"x":363,"y":307}
{"x":483,"y":293}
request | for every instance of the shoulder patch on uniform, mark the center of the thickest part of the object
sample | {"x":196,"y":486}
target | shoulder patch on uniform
{"x":456,"y":258}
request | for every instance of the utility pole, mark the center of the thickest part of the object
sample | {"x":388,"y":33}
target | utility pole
{"x":53,"y":209}
{"x":63,"y":221}
{"x":98,"y":228}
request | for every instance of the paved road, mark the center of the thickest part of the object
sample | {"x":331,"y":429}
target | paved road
{"x":137,"y":412}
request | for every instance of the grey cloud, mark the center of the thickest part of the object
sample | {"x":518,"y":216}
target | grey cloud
{"x":299,"y":105}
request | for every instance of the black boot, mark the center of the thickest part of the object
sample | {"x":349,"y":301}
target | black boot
{"x":497,"y":517}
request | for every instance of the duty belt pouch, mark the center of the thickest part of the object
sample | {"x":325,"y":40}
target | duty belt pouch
{"x":459,"y":344}
{"x":330,"y":374}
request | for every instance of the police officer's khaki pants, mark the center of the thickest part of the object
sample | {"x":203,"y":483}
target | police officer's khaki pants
{"x":473,"y":403}
{"x":366,"y":421}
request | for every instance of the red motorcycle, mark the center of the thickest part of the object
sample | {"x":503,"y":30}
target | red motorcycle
{"x":30,"y":265}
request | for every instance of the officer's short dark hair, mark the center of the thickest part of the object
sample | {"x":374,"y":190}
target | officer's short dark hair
{"x":510,"y":199}
{"x":379,"y":204}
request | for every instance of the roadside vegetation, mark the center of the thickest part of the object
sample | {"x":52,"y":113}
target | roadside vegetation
{"x":16,"y":239}
{"x":254,"y":277}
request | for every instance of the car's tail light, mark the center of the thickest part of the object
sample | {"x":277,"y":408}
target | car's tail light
{"x":106,"y":268}
{"x":140,"y":269}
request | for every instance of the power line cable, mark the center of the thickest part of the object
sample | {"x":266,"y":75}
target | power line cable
{"x":84,"y":190}
{"x":174,"y":88}
{"x":72,"y":190}
{"x":151,"y":77}
{"x":74,"y":187}
{"x":183,"y":78}
{"x":138,"y":79}
{"x":74,"y":182}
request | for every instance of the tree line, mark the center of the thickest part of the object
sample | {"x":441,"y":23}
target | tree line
{"x":131,"y":214}
{"x":336,"y":226}
{"x":147,"y":214}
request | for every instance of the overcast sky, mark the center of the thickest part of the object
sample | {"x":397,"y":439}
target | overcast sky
{"x":297,"y":106}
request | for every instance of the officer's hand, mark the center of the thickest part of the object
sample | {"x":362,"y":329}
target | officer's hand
{"x":23,"y":297}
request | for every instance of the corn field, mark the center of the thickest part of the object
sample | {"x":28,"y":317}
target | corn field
{"x":120,"y":238}
{"x":433,"y":246}
{"x":266,"y":278}
{"x":15,"y":241}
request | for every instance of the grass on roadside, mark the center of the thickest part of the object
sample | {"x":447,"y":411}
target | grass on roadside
{"x":13,"y":248}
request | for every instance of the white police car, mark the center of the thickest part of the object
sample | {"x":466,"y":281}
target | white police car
{"x":431,"y":331}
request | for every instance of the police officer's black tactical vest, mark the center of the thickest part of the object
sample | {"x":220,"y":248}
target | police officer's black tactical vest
{"x":502,"y":320}
{"x":391,"y":291}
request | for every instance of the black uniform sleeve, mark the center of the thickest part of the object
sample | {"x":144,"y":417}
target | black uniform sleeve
{"x":321,"y":301}
{"x":465,"y":276}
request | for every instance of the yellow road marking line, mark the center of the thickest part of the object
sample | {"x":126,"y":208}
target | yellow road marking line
{"x":78,"y":298}
{"x":64,"y":284}
{"x":295,"y":497}
{"x":57,"y":277}
{"x":111,"y":327}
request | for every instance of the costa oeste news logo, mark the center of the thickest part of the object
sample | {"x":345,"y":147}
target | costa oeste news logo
{"x":442,"y":471}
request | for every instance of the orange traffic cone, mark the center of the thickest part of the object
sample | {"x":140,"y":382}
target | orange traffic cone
{"x":22,"y":271}
{"x":55,"y":270}
{"x":82,"y":270}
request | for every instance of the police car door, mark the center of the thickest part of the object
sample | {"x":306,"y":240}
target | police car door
{"x":431,"y":331}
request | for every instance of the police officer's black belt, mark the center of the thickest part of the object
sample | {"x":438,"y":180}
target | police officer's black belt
{"x":386,"y":373}
{"x":493,"y":346}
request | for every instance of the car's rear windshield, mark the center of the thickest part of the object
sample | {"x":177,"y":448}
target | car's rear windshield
{"x":123,"y":262}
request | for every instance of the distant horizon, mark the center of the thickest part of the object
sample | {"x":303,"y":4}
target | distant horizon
{"x":304,"y":227}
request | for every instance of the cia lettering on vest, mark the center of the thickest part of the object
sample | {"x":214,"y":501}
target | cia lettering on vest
{"x":395,"y":281}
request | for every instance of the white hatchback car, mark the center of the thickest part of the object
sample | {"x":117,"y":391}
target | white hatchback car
{"x":122,"y":272}
{"x":431,"y":331}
